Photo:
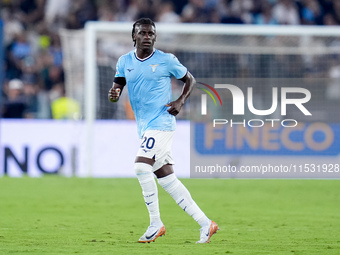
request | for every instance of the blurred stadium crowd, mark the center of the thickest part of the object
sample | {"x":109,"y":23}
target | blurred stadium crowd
{"x":34,"y":76}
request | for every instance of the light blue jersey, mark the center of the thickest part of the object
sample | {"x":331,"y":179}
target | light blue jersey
{"x":149,"y":85}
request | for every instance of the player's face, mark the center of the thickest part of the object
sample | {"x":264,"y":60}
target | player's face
{"x":145,"y":36}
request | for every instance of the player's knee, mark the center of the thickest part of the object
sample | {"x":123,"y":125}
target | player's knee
{"x":142,"y":168}
{"x":168,"y":181}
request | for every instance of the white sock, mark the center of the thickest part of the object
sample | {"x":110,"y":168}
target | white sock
{"x":182,"y":196}
{"x":149,"y":187}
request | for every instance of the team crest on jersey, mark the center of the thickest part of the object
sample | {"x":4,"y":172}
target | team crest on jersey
{"x":154,"y":67}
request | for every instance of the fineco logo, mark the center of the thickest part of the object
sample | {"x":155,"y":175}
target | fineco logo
{"x":204,"y":97}
{"x":238,"y":101}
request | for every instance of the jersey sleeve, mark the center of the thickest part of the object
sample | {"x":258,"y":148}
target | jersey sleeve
{"x":120,"y":67}
{"x":176,"y":69}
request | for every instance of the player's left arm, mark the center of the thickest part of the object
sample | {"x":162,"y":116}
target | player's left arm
{"x":189,"y":83}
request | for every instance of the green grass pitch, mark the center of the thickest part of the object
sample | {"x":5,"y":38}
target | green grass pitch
{"x":55,"y":215}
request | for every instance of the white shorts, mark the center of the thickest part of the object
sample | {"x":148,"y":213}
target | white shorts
{"x":156,"y":144}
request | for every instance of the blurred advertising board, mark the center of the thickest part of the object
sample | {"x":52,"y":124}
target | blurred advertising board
{"x":37,"y":147}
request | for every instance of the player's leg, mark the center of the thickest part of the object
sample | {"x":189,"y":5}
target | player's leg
{"x":168,"y":180}
{"x":180,"y":194}
{"x":144,"y":171}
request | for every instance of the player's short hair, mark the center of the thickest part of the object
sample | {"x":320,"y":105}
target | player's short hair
{"x":142,"y":21}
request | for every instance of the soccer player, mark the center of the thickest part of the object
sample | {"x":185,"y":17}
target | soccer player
{"x":147,"y":73}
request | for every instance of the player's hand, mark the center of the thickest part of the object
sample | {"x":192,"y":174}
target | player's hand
{"x":114,"y":94}
{"x":175,"y":107}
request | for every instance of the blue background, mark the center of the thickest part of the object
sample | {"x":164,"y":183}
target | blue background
{"x":219,"y":147}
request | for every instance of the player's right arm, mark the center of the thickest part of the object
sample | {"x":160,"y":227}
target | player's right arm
{"x":118,"y":83}
{"x":115,"y":92}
